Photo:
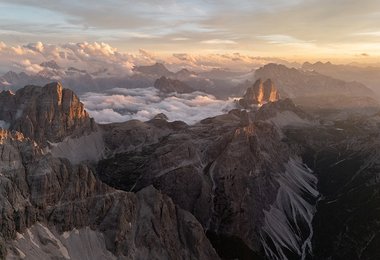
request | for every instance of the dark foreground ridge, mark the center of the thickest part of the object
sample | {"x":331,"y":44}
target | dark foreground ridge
{"x":268,"y":183}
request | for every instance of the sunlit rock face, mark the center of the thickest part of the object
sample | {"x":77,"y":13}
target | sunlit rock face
{"x":48,"y":113}
{"x":260,"y":93}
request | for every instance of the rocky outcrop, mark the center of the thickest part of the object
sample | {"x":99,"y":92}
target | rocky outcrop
{"x":260,"y":93}
{"x":167,"y":85}
{"x":235,"y":184}
{"x":52,"y":208}
{"x":161,"y":116}
{"x":45,"y":114}
{"x":235,"y":173}
{"x":46,"y":196}
{"x":223,"y":170}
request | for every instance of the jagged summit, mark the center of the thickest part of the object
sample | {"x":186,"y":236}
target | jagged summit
{"x":167,"y":85}
{"x":260,"y":93}
{"x":48,"y":113}
{"x":160,"y":116}
{"x":157,"y":69}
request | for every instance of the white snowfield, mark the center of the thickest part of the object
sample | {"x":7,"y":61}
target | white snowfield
{"x":289,"y":216}
{"x":40,"y":242}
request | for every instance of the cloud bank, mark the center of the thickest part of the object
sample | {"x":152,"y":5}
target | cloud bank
{"x":87,"y":56}
{"x":94,"y":57}
{"x":143,"y":104}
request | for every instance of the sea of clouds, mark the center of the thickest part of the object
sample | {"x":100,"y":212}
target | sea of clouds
{"x":118,"y":105}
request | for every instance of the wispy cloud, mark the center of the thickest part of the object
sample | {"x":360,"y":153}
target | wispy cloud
{"x":281,"y":39}
{"x":371,"y":33}
{"x":219,"y":41}
{"x":181,"y":39}
{"x":189,"y":25}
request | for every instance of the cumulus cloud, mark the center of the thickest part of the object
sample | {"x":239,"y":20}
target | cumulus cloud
{"x":143,"y":104}
{"x":91,"y":57}
{"x":94,"y":57}
{"x":28,"y":66}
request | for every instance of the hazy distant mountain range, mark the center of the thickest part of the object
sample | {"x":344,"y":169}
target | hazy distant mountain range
{"x":218,"y":82}
{"x":368,"y":75}
{"x":221,"y":83}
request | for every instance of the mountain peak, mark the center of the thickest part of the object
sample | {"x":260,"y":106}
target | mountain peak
{"x":45,"y":114}
{"x":167,"y":85}
{"x":260,"y":93}
{"x":157,"y":69}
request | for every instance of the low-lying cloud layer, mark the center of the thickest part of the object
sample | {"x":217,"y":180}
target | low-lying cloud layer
{"x":143,"y":104}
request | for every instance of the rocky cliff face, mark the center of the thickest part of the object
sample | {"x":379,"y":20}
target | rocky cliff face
{"x":260,"y":93}
{"x":45,"y":114}
{"x":42,"y":195}
{"x":239,"y":185}
{"x":51,"y":208}
{"x":228,"y":171}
